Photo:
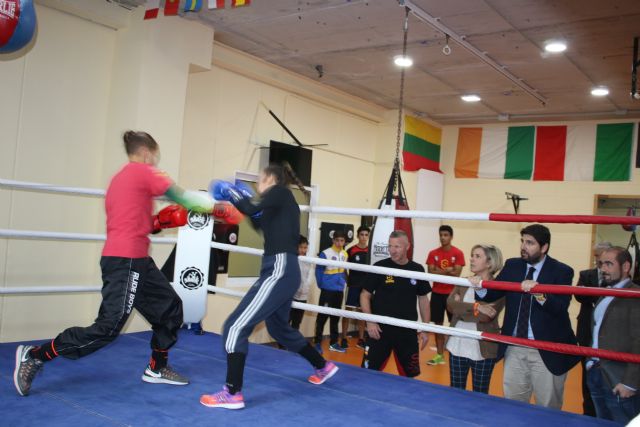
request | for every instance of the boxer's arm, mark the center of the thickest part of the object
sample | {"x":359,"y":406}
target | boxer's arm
{"x":193,"y":200}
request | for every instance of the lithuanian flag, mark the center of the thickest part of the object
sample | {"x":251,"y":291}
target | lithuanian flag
{"x":582,"y":152}
{"x":421,"y":149}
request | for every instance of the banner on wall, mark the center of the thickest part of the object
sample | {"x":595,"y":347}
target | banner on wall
{"x":421,"y":145}
{"x":581,"y":152}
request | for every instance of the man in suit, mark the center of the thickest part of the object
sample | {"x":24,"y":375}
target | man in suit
{"x":535,"y":316}
{"x":589,"y":278}
{"x":614,"y":385}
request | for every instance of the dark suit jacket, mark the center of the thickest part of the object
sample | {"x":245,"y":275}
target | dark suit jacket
{"x":588,"y":278}
{"x":620,"y":331}
{"x":550,"y":321}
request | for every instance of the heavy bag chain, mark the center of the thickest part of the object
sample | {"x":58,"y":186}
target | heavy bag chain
{"x":396,"y":163}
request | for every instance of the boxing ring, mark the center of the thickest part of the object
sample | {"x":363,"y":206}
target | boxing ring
{"x":104,"y":389}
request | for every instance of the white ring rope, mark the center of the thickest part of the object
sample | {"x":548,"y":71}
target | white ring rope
{"x":31,"y":235}
{"x":46,"y":188}
{"x":389,"y":213}
{"x":426,"y":327}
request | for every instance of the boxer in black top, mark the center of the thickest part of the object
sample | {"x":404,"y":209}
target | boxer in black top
{"x":278,"y":216}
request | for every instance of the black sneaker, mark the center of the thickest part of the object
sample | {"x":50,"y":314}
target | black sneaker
{"x":360,"y":344}
{"x":26,"y":369}
{"x":164,"y":375}
{"x":344,"y":343}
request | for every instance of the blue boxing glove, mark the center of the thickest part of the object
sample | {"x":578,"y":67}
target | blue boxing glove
{"x":225,"y":191}
{"x":245,"y":189}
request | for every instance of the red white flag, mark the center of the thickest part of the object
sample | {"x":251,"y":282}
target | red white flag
{"x":153,"y":7}
{"x":216,"y":4}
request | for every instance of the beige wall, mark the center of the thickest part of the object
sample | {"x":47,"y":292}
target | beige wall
{"x":227,"y":121}
{"x":63,"y":118}
{"x":72,"y":95}
{"x":569,"y":243}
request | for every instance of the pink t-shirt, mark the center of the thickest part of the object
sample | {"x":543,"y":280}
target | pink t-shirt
{"x":129,"y":207}
{"x":443,"y":259}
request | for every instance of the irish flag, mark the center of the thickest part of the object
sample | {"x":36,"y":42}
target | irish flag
{"x":421,"y":149}
{"x":581,"y":152}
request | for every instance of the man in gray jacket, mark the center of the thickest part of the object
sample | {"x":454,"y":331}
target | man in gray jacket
{"x":615,"y":386}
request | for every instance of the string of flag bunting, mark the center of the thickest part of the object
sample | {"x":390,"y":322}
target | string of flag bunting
{"x":175,"y":7}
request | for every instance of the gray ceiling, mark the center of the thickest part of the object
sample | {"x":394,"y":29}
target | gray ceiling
{"x":355,"y":42}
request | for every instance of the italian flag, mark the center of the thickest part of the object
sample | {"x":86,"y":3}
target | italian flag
{"x":582,"y":152}
{"x":421,"y":148}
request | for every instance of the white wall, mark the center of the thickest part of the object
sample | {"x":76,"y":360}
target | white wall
{"x":72,"y":95}
{"x":63,"y":119}
{"x":227,"y":121}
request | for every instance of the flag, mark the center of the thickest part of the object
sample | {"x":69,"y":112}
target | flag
{"x":153,"y":7}
{"x":421,"y":147}
{"x":238,"y":3}
{"x":216,"y":4}
{"x":171,"y":7}
{"x":582,"y":152}
{"x":192,"y":5}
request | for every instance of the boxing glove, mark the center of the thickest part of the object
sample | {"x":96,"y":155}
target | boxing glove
{"x":227,"y":213}
{"x":245,"y":189}
{"x":171,"y":216}
{"x":225,"y":191}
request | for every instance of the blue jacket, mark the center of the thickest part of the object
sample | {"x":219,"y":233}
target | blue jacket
{"x":332,"y":278}
{"x":550,"y":321}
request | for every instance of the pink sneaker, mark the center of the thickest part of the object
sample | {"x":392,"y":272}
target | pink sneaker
{"x":223,"y":399}
{"x":323,"y":374}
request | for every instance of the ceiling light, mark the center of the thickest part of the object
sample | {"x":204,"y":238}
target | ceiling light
{"x":402,"y":61}
{"x":600,"y":91}
{"x":470,"y":98}
{"x":555,"y":46}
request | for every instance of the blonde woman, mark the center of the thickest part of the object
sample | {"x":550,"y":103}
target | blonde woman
{"x":467,"y":353}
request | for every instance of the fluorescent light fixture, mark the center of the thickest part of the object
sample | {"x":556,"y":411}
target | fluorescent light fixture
{"x":402,"y":61}
{"x":555,"y":46}
{"x":470,"y":98}
{"x":600,"y":91}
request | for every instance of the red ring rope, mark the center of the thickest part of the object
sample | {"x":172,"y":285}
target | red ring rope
{"x":563,"y":289}
{"x":564,"y":348}
{"x":566,"y":219}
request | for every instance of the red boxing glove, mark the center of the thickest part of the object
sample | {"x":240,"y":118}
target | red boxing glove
{"x":227,"y":213}
{"x":169,"y":217}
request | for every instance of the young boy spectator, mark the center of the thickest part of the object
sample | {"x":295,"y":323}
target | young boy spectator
{"x":306,"y":277}
{"x":446,"y":260}
{"x":331,"y":281}
{"x":359,"y":254}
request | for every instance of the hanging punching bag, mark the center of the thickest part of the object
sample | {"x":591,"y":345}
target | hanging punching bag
{"x":630,"y":227}
{"x":384,"y":225}
{"x":17,"y":24}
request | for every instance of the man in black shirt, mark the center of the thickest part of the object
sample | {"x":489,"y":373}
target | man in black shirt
{"x":395,"y":297}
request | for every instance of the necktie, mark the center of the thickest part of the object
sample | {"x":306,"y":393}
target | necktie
{"x":522,"y":328}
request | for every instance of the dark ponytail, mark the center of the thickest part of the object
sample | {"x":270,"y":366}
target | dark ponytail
{"x":284,"y":175}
